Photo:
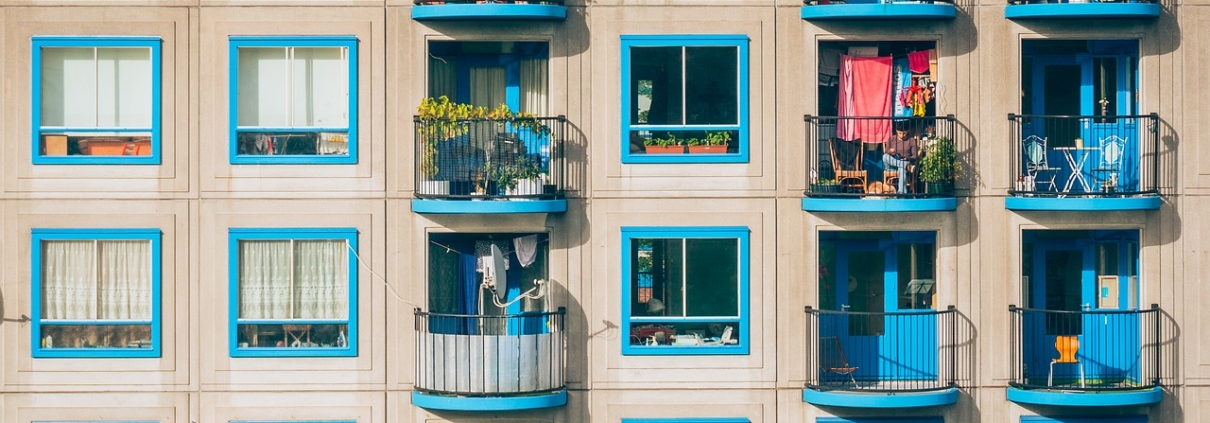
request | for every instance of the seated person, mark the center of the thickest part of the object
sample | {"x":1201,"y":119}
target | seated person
{"x":898,"y":155}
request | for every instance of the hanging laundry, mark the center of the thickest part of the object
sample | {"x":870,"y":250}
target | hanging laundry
{"x":829,"y":66}
{"x":527,"y":249}
{"x":919,"y":61}
{"x":865,"y":90}
{"x":902,"y":81}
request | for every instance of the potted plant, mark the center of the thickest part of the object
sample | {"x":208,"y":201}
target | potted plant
{"x":522,"y":178}
{"x":714,"y":143}
{"x":670,"y":145}
{"x":940,"y":167}
{"x":825,"y":186}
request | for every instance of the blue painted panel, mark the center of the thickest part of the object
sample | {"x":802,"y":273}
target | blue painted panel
{"x":488,"y":206}
{"x":1086,"y":399}
{"x":875,"y":204}
{"x":489,"y":12}
{"x":1150,"y":202}
{"x":526,"y":402}
{"x":898,"y":10}
{"x":1091,"y":10}
{"x":877,"y":400}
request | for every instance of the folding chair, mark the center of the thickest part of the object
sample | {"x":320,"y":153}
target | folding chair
{"x":832,"y":358}
{"x":847,"y":164}
{"x":1036,"y":163}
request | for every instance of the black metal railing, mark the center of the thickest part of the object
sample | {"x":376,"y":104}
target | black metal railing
{"x":490,"y":159}
{"x":845,"y":157}
{"x":1084,"y":156}
{"x":882,"y":352}
{"x":489,"y":356}
{"x":1093,"y":350}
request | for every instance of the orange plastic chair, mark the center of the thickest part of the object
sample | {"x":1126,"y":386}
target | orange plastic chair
{"x":1067,"y":347}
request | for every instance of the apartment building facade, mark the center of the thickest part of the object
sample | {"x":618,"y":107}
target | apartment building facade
{"x":688,"y":211}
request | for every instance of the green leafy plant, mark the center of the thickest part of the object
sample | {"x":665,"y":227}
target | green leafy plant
{"x":717,"y":137}
{"x":940,"y":162}
{"x":441,"y":119}
{"x":695,"y":142}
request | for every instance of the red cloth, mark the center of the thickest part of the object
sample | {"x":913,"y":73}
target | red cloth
{"x":918,"y":61}
{"x":865,"y":90}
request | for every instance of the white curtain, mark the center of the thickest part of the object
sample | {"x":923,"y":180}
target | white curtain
{"x":96,"y":87}
{"x":321,"y":280}
{"x":293,"y":87}
{"x":124,"y":280}
{"x":488,"y":87}
{"x":535,"y":81}
{"x":264,"y":280}
{"x":86,"y":280}
{"x":306,"y":280}
{"x":443,"y":78}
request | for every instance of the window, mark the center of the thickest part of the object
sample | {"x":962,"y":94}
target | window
{"x":690,"y":420}
{"x":96,"y":100}
{"x":96,"y":293}
{"x":684,"y":95}
{"x":878,"y":276}
{"x":686,"y":290}
{"x":293,"y":292}
{"x":293,"y":100}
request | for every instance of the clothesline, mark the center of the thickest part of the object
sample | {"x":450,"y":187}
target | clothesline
{"x":449,"y":249}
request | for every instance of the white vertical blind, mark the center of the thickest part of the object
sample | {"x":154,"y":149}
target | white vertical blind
{"x":534,"y":86}
{"x":488,"y":87}
{"x":96,"y":87}
{"x":88,"y":280}
{"x":293,"y":87}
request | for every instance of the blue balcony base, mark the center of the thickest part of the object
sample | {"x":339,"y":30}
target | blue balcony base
{"x":1087,"y":10}
{"x":455,"y":403}
{"x":489,"y":11}
{"x":897,"y":10}
{"x":880,"y":399}
{"x":1085,"y":399}
{"x":879,"y":204}
{"x":488,"y":206}
{"x":1082,"y":203}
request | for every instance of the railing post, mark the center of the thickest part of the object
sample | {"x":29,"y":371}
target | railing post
{"x":1155,"y":314}
{"x":952,"y":313}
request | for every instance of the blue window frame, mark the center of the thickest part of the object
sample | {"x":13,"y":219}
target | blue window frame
{"x":96,"y":100}
{"x":96,"y":293}
{"x":685,"y":290}
{"x":688,"y":93}
{"x":293,"y":292}
{"x":293,"y":100}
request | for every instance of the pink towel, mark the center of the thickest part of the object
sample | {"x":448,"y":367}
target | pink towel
{"x":865,"y":90}
{"x":918,"y":61}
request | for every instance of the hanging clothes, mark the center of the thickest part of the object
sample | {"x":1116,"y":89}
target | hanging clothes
{"x":865,"y":90}
{"x":526,"y":248}
{"x":900,"y":85}
{"x":918,"y":61}
{"x":829,"y":66}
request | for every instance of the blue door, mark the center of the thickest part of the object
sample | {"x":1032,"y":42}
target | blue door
{"x":891,"y":280}
{"x":1087,"y":283}
{"x":1097,"y":81}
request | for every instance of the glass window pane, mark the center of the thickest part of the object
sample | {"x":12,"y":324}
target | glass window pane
{"x":69,"y":290}
{"x":264,"y":280}
{"x":124,"y":91}
{"x":320,"y":87}
{"x":712,"y":277}
{"x":69,"y":87}
{"x":656,"y":85}
{"x":321,"y":280}
{"x":711,"y":87}
{"x":124,"y":280}
{"x":264,"y":87}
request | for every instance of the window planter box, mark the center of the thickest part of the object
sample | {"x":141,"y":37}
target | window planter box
{"x":708,"y":149}
{"x":655,"y":149}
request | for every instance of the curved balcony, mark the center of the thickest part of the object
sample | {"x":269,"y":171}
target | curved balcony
{"x":845,"y":165}
{"x":882,"y":360}
{"x":1084,"y":163}
{"x":820,"y":10}
{"x":495,"y":10}
{"x":490,"y":166}
{"x":489,"y":363}
{"x":1085,"y":9}
{"x":1085,"y":358}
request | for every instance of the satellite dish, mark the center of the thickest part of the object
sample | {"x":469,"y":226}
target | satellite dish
{"x":495,"y":277}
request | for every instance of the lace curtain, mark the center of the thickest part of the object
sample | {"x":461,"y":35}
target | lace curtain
{"x":91,"y":280}
{"x":293,"y":280}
